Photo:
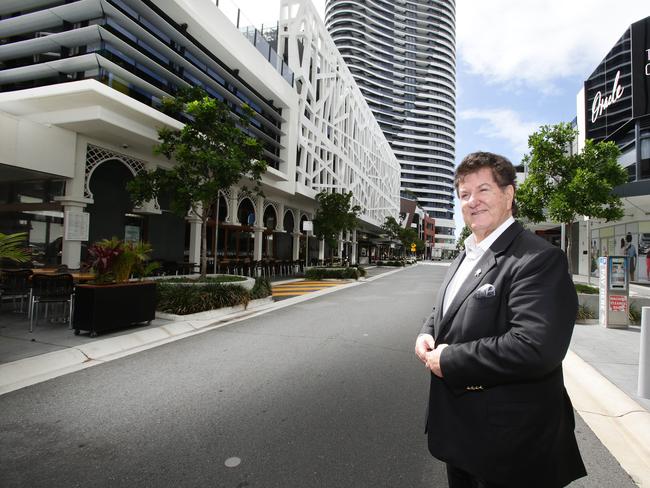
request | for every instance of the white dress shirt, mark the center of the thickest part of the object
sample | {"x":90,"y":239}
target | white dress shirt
{"x":473,"y":253}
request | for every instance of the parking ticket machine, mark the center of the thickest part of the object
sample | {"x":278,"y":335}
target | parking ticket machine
{"x":613,"y":303}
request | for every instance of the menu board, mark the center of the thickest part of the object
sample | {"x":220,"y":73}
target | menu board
{"x":76,"y":225}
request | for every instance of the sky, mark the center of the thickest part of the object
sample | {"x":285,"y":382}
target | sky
{"x":520,"y":64}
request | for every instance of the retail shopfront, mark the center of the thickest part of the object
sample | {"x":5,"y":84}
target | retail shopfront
{"x":615,"y":106}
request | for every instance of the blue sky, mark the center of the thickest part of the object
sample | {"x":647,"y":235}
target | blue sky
{"x":520,"y":63}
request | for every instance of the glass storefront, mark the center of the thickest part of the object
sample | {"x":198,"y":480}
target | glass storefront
{"x":27,"y":205}
{"x":630,"y":239}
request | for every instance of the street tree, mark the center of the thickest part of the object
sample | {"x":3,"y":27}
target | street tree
{"x":409,"y":236}
{"x":391,"y":227}
{"x":561,"y":186}
{"x":464,"y":234}
{"x":335,"y":214}
{"x":406,"y":236}
{"x":212,"y":152}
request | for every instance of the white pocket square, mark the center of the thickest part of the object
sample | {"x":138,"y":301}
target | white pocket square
{"x":485,"y":291}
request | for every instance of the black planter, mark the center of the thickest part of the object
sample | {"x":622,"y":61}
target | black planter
{"x":98,"y":308}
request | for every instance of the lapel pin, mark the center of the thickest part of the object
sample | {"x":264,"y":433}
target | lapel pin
{"x":478,"y":272}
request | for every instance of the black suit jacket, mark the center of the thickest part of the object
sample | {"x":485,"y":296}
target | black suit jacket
{"x":501,"y":411}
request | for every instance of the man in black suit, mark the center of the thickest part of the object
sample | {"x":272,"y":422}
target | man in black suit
{"x":499,"y":414}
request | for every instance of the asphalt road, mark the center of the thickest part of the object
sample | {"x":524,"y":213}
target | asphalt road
{"x":325,"y":393}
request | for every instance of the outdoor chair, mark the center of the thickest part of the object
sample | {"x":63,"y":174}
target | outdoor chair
{"x":15,"y":284}
{"x":246,"y":267}
{"x":50,"y":289}
{"x":260,"y":268}
{"x":222,"y":266}
{"x":284,"y":267}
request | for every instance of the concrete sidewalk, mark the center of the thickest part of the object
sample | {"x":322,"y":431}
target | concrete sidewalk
{"x":601,"y":375}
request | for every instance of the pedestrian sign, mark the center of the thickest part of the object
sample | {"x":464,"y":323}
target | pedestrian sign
{"x":413,"y":247}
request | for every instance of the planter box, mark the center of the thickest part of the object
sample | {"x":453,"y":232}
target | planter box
{"x":218,"y":313}
{"x":247,"y":282}
{"x":98,"y":308}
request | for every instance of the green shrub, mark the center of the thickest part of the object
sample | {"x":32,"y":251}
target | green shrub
{"x":317,"y":273}
{"x":585,"y":313}
{"x":183,"y":300}
{"x":261,"y":289}
{"x":362,"y":271}
{"x":581,"y":288}
{"x":390,"y":263}
{"x":634,"y":316}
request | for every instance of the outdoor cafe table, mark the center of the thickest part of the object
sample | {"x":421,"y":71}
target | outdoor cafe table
{"x":77,"y":276}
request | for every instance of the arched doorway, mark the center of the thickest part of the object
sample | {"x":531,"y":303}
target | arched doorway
{"x":239,"y":243}
{"x":111,"y":213}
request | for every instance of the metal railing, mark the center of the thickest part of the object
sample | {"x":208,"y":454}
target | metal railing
{"x":255,"y":37}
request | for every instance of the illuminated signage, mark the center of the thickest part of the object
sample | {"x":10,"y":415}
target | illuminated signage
{"x":601,"y":102}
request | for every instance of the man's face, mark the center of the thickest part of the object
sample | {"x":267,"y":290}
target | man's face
{"x":485,"y":205}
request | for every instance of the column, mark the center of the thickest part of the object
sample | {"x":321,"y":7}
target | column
{"x":279,"y":225}
{"x":73,"y":204}
{"x":195,"y":239}
{"x":296,"y":245}
{"x":257,"y":243}
{"x":340,"y":245}
{"x":231,"y":218}
{"x":76,"y":224}
{"x":321,"y":250}
{"x":258,"y":228}
{"x":353,"y":257}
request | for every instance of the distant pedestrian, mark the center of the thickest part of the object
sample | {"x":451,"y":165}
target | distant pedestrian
{"x":499,"y":414}
{"x":630,"y":253}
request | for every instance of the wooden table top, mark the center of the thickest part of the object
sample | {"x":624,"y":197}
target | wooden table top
{"x":78,"y":276}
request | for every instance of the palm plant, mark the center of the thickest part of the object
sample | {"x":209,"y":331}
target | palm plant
{"x":12,"y":247}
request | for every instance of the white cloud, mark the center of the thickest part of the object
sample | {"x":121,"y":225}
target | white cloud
{"x":504,"y":124}
{"x":534,"y":42}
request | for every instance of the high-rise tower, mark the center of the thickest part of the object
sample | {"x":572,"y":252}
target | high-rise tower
{"x":402,"y":54}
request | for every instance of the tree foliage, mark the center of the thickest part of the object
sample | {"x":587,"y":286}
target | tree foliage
{"x":335,"y":214}
{"x":464,"y":234}
{"x":212,"y":152}
{"x":561,"y":186}
{"x":392,"y":227}
{"x":406,"y":236}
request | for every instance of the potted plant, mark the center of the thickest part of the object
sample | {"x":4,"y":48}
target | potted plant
{"x":113,"y":300}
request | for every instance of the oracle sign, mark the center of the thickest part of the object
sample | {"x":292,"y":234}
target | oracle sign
{"x":601,"y":102}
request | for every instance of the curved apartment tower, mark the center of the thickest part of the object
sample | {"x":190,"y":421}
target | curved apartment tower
{"x":402,"y":54}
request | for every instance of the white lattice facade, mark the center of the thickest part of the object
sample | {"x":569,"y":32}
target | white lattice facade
{"x":96,"y":121}
{"x":340,"y":146}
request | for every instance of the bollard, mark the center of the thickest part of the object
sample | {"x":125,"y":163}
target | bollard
{"x":644,"y":354}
